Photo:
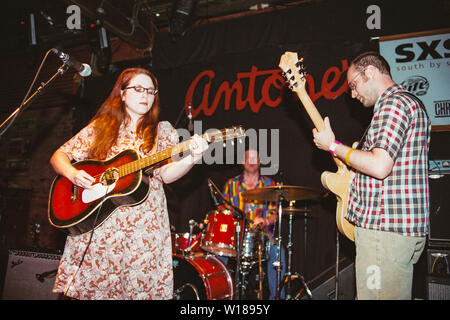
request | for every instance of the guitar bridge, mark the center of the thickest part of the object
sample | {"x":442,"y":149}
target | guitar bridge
{"x":74,"y":196}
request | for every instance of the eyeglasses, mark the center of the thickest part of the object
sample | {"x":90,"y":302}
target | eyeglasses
{"x":140,"y":89}
{"x":352,"y":84}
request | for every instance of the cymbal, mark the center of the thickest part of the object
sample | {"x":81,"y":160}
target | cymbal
{"x":288,"y":193}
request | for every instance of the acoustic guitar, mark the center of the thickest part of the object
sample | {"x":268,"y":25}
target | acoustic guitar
{"x":119,"y":182}
{"x":337,"y":182}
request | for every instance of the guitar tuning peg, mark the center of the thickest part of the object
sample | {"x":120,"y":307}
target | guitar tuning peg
{"x":288,"y":71}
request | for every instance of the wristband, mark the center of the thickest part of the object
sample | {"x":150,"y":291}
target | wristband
{"x":333,"y":147}
{"x":348,"y":156}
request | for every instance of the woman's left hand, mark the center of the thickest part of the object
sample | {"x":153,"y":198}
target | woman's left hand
{"x":197,"y":146}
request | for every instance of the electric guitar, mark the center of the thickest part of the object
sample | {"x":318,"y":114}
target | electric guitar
{"x":337,"y":182}
{"x":119,"y":182}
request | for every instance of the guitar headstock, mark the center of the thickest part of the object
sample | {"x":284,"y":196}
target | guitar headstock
{"x":236,"y":132}
{"x":293,"y":70}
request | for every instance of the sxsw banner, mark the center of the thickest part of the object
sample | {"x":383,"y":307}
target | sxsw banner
{"x":421,"y":63}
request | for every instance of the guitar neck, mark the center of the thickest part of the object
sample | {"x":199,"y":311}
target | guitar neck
{"x":311,"y":109}
{"x":314,"y":115}
{"x":165,"y":154}
{"x":209,"y":137}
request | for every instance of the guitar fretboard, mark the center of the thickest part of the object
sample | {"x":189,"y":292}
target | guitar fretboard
{"x":140,"y":164}
{"x":215,"y":136}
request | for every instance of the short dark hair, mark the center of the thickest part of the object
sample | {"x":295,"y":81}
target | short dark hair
{"x":372,"y":58}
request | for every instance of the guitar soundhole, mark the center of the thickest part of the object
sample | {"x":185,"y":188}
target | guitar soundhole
{"x":110,"y":176}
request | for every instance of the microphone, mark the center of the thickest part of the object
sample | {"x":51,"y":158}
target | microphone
{"x":193,"y":223}
{"x":190,"y":125}
{"x":83,"y":69}
{"x":213,"y":193}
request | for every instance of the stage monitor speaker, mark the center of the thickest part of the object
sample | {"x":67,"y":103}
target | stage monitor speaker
{"x":438,"y":288}
{"x":30,"y":276}
{"x":323,"y":287}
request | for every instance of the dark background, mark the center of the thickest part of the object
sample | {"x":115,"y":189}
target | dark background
{"x":325,"y":33}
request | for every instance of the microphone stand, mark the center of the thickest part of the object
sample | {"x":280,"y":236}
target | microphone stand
{"x":37,"y":93}
{"x":240,"y":215}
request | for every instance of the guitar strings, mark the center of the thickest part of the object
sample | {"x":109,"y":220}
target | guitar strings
{"x":125,"y":167}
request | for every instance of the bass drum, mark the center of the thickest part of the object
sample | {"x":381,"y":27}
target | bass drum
{"x":201,"y":278}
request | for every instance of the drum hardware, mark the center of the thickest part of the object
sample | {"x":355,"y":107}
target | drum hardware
{"x":176,"y":293}
{"x":280,"y":193}
{"x":191,"y":228}
{"x":291,"y":211}
{"x":241,"y":220}
{"x":260,"y":271}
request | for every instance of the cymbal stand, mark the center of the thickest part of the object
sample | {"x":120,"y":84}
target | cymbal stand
{"x":191,"y":229}
{"x":277,"y":263}
{"x":288,"y":276}
{"x":288,"y":273}
{"x":237,"y":280}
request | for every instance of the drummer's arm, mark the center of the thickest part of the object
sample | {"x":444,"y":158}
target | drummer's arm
{"x":266,"y":221}
{"x":271,"y":219}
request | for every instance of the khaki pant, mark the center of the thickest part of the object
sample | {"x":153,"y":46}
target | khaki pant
{"x":384,"y":264}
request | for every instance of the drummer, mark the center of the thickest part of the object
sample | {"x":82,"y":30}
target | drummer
{"x":258,"y":212}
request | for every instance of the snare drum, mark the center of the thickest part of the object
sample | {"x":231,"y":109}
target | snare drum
{"x":201,"y":278}
{"x":250,"y":242}
{"x":220,"y":237}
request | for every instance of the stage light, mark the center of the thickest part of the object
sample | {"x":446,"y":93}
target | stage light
{"x":182,"y":17}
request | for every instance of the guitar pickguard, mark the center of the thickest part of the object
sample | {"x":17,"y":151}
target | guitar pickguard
{"x":98,"y":191}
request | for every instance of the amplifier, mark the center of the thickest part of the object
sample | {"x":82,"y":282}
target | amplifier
{"x":438,"y":261}
{"x":439,"y":180}
{"x":30,"y":276}
{"x":439,"y":166}
{"x":438,"y":288}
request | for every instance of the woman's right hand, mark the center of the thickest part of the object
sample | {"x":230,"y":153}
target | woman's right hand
{"x":61,"y":164}
{"x":81,"y":178}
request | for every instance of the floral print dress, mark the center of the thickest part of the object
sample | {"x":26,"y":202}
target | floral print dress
{"x":130,"y":255}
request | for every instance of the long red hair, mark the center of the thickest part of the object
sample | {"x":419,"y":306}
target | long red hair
{"x":112,"y":114}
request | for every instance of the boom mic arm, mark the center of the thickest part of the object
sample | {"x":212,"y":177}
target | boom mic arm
{"x":216,"y":191}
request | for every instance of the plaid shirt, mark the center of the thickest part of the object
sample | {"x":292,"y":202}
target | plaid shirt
{"x":236,"y":186}
{"x":400,"y":202}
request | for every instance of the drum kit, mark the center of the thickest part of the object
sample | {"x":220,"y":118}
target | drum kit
{"x":199,"y":260}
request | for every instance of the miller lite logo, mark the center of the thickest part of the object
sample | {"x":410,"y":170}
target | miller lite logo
{"x":417,"y":85}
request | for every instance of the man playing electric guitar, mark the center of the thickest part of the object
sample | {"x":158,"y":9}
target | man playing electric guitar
{"x":388,"y":197}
